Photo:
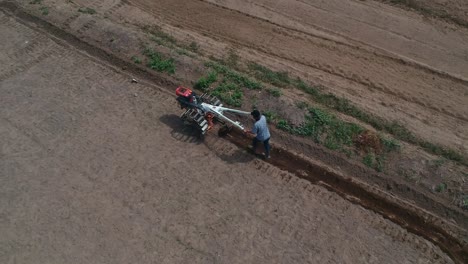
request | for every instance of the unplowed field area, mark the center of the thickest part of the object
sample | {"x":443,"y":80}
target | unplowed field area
{"x":97,"y":168}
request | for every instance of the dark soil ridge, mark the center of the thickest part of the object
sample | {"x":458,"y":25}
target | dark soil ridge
{"x":413,"y":219}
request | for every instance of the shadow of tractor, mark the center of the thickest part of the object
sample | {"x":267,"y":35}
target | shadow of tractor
{"x":180,"y":131}
{"x":190,"y":134}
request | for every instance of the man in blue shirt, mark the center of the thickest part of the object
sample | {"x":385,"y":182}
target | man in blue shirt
{"x":260,"y":132}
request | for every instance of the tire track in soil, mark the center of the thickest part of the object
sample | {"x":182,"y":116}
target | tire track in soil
{"x":38,"y":49}
{"x":49,"y":52}
{"x":344,"y":187}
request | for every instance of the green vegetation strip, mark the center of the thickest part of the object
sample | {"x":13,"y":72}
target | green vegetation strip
{"x":279,"y":79}
{"x":230,"y":87}
{"x":158,"y":62}
{"x":44,"y":10}
{"x":335,"y":134}
{"x":343,"y":105}
{"x":162,"y":38}
{"x":230,"y":91}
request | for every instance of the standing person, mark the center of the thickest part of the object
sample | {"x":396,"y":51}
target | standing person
{"x":260,"y":132}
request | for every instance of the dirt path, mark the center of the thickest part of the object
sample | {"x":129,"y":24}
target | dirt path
{"x":96,"y":169}
{"x":390,"y":62}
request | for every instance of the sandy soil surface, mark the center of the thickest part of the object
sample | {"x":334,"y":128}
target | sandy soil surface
{"x":95,"y":169}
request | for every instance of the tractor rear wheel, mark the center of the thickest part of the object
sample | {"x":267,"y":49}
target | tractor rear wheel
{"x":224,"y":130}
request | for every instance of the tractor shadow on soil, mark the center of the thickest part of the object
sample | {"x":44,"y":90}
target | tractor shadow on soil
{"x":238,"y":156}
{"x":189,"y":134}
{"x":180,"y":131}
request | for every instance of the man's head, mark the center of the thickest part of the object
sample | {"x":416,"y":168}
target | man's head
{"x":256,"y":114}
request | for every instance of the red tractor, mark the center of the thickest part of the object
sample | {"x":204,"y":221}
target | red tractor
{"x":202,"y":111}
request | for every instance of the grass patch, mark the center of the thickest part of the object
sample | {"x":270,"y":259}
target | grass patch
{"x":204,"y":82}
{"x":183,"y":52}
{"x":302,"y":105}
{"x":230,"y":90}
{"x":44,"y":10}
{"x":271,"y":116}
{"x":230,"y":93}
{"x":347,"y":152}
{"x":444,"y":152}
{"x":234,"y":76}
{"x":301,"y":85}
{"x":274,"y":92}
{"x":332,"y":101}
{"x":193,"y":47}
{"x":438,"y":163}
{"x":441,"y":187}
{"x":156,"y":61}
{"x":324,"y":128}
{"x":464,"y":202}
{"x":232,"y":60}
{"x":136,"y":59}
{"x":343,"y":105}
{"x":280,"y":79}
{"x":331,"y":143}
{"x":410,"y":175}
{"x":160,"y":37}
{"x":87,"y":10}
{"x":369,"y":160}
{"x":380,"y":163}
{"x":390,"y":145}
{"x":335,"y":134}
{"x":374,"y":161}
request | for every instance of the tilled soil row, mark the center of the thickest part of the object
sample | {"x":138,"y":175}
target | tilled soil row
{"x":448,"y":237}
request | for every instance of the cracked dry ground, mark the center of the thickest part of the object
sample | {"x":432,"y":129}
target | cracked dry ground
{"x":95,"y":169}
